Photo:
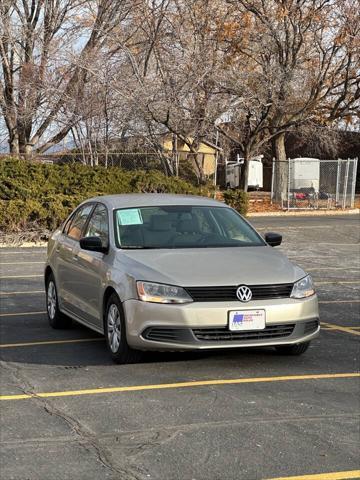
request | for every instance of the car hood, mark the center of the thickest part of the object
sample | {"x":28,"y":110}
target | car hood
{"x":211,"y":266}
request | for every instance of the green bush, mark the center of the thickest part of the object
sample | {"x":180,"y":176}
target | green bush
{"x":237,"y":199}
{"x":40,"y":196}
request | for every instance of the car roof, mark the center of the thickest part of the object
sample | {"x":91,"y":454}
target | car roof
{"x":153,"y":199}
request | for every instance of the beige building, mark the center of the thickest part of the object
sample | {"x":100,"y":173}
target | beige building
{"x":207,"y":153}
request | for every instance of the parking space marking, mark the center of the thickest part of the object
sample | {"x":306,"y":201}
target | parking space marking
{"x":314,"y":269}
{"x":339,"y":301}
{"x":191,"y":384}
{"x":50,"y":342}
{"x":43,"y":291}
{"x":332,"y":326}
{"x":21,"y":276}
{"x":335,"y":327}
{"x":309,"y":257}
{"x":324,"y":476}
{"x":20,"y":263}
{"x":338,"y":282}
{"x":357,"y":244}
{"x":295,"y":227}
{"x":21,"y":313}
{"x":41,"y":252}
{"x":21,"y":293}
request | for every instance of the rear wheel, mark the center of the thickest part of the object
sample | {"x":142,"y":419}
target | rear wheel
{"x":297,"y":349}
{"x":56,"y":319}
{"x":115,"y":333}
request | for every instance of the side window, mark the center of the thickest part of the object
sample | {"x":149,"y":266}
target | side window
{"x":98,"y":225}
{"x":78,"y":222}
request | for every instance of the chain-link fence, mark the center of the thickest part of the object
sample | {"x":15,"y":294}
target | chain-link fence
{"x":319,"y":184}
{"x":183,"y":164}
{"x":125,"y":160}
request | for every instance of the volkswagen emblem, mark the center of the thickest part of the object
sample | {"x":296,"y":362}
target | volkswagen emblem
{"x":243,"y":293}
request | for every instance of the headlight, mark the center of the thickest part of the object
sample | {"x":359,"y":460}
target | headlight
{"x":303,"y":288}
{"x":159,"y":293}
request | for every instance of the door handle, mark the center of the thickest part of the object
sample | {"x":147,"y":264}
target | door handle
{"x":75,"y":258}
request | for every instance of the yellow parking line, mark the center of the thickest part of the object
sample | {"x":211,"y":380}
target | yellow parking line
{"x":20,"y":314}
{"x":332,"y":326}
{"x":20,"y":276}
{"x":5,"y":294}
{"x":49,"y":342}
{"x":20,"y":263}
{"x":324,"y":476}
{"x":161,"y":386}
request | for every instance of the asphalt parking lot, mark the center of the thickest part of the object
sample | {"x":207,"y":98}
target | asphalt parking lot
{"x":67,"y":412}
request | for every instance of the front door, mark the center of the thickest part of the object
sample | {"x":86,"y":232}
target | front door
{"x":68,"y":284}
{"x":91,"y":269}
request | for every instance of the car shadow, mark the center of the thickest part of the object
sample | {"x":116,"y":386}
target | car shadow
{"x":94,"y":352}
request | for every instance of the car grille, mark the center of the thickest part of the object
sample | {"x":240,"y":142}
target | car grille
{"x":311,"y":326}
{"x":224,"y":334}
{"x":223,"y":294}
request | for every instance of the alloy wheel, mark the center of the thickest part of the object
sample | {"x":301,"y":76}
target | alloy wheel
{"x":113,"y":328}
{"x":51,"y":300}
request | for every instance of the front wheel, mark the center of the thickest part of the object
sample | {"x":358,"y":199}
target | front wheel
{"x":115,"y":333}
{"x":296,"y":349}
{"x":56,"y":319}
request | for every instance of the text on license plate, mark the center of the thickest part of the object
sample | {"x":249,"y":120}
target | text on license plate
{"x":247,"y":320}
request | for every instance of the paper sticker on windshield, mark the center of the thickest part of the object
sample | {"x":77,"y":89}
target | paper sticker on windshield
{"x":130,"y":216}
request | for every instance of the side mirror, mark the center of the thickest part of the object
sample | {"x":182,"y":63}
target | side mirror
{"x":94,"y":244}
{"x":273,"y":239}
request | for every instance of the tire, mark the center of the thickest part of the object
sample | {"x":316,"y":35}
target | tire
{"x":297,"y":349}
{"x":56,"y":319}
{"x":115,"y":333}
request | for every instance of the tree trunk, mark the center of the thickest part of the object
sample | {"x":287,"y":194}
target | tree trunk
{"x":281,"y":168}
{"x":14,"y":143}
{"x":244,"y":180}
{"x":199,"y":166}
{"x":175,"y":165}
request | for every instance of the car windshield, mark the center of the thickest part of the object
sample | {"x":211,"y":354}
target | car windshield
{"x":182,"y":227}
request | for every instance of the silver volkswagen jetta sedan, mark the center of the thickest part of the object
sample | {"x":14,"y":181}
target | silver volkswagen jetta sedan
{"x":174,"y":272}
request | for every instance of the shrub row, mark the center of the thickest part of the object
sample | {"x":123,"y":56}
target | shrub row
{"x":237,"y":199}
{"x":40,"y":196}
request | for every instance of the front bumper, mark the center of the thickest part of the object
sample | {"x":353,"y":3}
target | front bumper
{"x":189,"y":321}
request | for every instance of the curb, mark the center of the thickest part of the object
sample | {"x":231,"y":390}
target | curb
{"x":24,"y":245}
{"x":307,"y":213}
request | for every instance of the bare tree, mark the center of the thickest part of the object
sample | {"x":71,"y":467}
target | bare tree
{"x":45,"y":46}
{"x":109,"y":69}
{"x":174,"y":64}
{"x":300,"y":66}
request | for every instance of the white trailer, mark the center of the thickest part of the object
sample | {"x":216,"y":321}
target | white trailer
{"x":305,"y":174}
{"x":234,"y":169}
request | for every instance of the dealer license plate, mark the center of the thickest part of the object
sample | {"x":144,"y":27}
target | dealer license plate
{"x":247,"y":320}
